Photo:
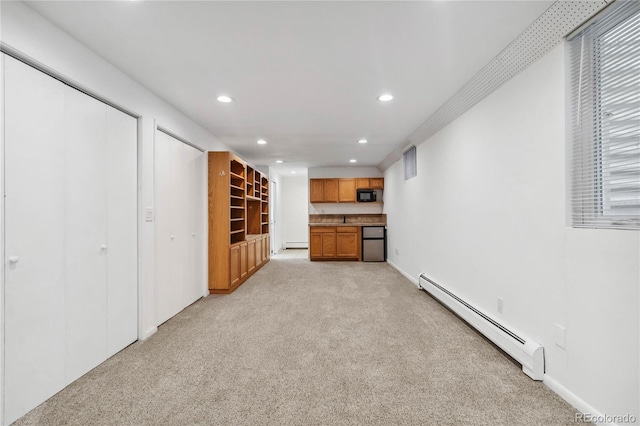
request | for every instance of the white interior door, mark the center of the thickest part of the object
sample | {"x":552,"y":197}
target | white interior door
{"x":34,"y":239}
{"x":85,"y":232}
{"x":70,"y":215}
{"x":180,"y":225}
{"x":193,"y":289}
{"x":162,"y":198}
{"x":122,"y":269}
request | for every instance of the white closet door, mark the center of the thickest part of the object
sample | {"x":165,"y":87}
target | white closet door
{"x":34,"y":238}
{"x":163,"y":233}
{"x":179,"y":207}
{"x":85,"y":232}
{"x":194,"y":279}
{"x":122,"y":272}
{"x":179,"y":226}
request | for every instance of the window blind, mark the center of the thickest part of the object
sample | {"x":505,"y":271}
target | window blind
{"x":604,"y":67}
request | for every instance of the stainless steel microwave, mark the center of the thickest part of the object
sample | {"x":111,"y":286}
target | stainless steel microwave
{"x":366,"y":195}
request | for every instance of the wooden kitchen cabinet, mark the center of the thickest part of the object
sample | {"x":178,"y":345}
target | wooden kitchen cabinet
{"x":347,"y":190}
{"x":377,"y":183}
{"x":363,"y":183}
{"x":348,"y":242}
{"x":234,"y":264}
{"x":341,"y":190}
{"x":334,"y":243}
{"x":331,"y":191}
{"x":316,"y":190}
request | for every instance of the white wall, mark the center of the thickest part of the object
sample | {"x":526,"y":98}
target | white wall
{"x":486,"y":217}
{"x":344,"y":208}
{"x":31,"y":35}
{"x":294,"y":219}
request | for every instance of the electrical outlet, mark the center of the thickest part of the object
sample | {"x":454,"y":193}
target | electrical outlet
{"x":397,"y":252}
{"x":561,"y":336}
{"x":500,"y":305}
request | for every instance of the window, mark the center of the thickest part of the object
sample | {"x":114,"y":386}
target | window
{"x":410,"y":165}
{"x":605,"y":120}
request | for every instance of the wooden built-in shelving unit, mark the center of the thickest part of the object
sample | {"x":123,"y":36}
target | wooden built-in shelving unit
{"x":238,"y":221}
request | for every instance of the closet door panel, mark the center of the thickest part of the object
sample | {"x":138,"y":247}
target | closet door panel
{"x":162,"y":200}
{"x":122,"y":272}
{"x":179,"y":226}
{"x":193,"y":208}
{"x":85,"y":232}
{"x":34,"y":234}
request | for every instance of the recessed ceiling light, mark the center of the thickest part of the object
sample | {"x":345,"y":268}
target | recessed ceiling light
{"x":278,"y":161}
{"x":262,"y":142}
{"x":293,"y":172}
{"x":353,"y":160}
{"x":385,"y":98}
{"x":225,"y":99}
{"x":363,"y":141}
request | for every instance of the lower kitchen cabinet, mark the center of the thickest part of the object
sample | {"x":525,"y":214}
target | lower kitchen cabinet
{"x":334,"y":243}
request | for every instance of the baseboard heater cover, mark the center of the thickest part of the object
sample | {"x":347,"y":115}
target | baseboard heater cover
{"x":296,"y":245}
{"x":524,"y":350}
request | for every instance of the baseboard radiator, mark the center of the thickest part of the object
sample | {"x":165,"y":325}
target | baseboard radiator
{"x":295,"y":245}
{"x":527,"y":352}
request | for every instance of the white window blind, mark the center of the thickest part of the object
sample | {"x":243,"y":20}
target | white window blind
{"x":605,"y":120}
{"x":410,"y":163}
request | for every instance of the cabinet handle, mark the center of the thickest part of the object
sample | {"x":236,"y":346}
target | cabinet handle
{"x":14,"y":259}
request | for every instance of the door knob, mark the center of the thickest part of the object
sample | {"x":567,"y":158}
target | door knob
{"x":14,"y":259}
{"x":193,"y":235}
{"x":171,"y":237}
{"x":103,"y":247}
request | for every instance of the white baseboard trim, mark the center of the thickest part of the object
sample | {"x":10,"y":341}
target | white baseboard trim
{"x":148,"y":333}
{"x":407,"y":276}
{"x":575,"y":401}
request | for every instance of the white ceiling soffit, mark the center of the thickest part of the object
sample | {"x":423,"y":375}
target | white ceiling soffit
{"x":536,"y":41}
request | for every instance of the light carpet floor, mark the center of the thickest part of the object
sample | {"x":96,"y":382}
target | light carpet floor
{"x":309,"y":343}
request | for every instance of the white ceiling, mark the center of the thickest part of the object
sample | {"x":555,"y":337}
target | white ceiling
{"x":304,"y":75}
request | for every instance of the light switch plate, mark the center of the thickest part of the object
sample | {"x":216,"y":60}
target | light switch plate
{"x":148,"y":214}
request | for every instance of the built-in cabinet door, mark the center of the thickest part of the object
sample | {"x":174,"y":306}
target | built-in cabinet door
{"x":347,"y":242}
{"x":85,"y":233}
{"x":377,"y":183}
{"x":163,"y":173}
{"x":315,"y":245}
{"x":70,"y":221}
{"x":243,"y":260}
{"x":122,"y":238}
{"x":251,"y":249}
{"x":179,"y":225}
{"x":316,"y":190}
{"x":34,"y":313}
{"x":347,"y":190}
{"x":331,"y":191}
{"x":329,"y":244}
{"x":363,"y":183}
{"x":234,"y":264}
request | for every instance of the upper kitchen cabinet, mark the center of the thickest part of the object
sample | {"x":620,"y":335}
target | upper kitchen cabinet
{"x":316,"y":190}
{"x":363,"y":183}
{"x":377,"y":183}
{"x":341,"y":190}
{"x":331,"y":191}
{"x":347,"y":190}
